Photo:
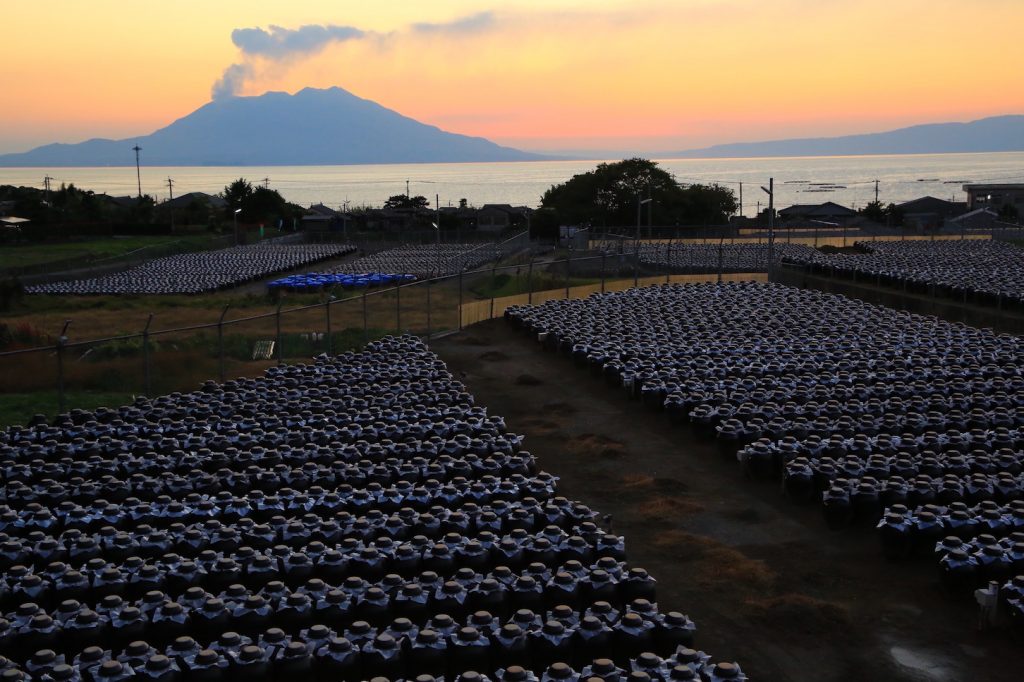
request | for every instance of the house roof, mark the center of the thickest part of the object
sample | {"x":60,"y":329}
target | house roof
{"x":185,"y":200}
{"x":829,"y":208}
{"x":976,"y":213}
{"x":322,"y":210}
{"x":931,"y":204}
{"x":986,"y":187}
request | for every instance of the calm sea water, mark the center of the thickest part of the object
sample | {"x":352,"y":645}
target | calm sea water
{"x":851,"y":178}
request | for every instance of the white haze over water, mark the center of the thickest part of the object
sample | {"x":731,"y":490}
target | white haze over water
{"x":902,"y":177}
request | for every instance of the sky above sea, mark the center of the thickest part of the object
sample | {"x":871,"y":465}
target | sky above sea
{"x":542,"y":75}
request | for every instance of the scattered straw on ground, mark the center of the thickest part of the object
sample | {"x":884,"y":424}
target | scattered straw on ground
{"x":595,"y":445}
{"x":561,"y":408}
{"x":800,"y":613}
{"x":667,"y":509}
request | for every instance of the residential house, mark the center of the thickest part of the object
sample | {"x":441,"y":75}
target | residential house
{"x":828,"y":212}
{"x":929,"y":213}
{"x":1004,"y":199}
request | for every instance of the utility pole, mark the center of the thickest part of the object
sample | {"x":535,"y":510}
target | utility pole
{"x":406,"y":189}
{"x":138,"y":173}
{"x":266,"y":183}
{"x":46,"y":187}
{"x":170,"y":191}
{"x":876,"y":191}
{"x":741,"y":199}
{"x":770,"y":191}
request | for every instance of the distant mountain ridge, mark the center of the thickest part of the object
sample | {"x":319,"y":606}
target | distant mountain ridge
{"x":311,"y":127}
{"x":994,"y":134}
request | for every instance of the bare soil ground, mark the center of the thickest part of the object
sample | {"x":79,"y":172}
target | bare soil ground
{"x":766,"y":582}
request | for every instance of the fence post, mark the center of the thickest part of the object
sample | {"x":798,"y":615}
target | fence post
{"x":220,"y":340}
{"x":668,"y":261}
{"x":428,"y":308}
{"x":529,"y":283}
{"x":460,"y":298}
{"x":721,"y":246}
{"x":636,"y":261}
{"x":277,"y":317}
{"x":568,"y":268}
{"x":398,"y":309}
{"x":366,"y":330}
{"x":61,"y":342}
{"x":603,"y":256}
{"x":145,"y":356}
{"x":327,"y":338}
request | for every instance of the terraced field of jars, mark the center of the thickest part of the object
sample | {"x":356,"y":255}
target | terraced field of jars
{"x":984,"y":272}
{"x":356,"y":517}
{"x":881,"y":417}
{"x":196,"y":273}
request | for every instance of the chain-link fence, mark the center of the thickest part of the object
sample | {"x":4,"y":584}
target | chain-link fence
{"x":177,"y":348}
{"x":60,"y":372}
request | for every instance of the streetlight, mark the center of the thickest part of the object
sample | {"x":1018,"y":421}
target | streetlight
{"x":235,"y":217}
{"x":636,"y":241}
{"x":437,"y":248}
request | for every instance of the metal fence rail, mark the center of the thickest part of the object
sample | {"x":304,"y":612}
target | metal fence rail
{"x":215,"y":343}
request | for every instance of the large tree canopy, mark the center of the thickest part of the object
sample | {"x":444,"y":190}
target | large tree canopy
{"x":609,"y":194}
{"x":258,"y":204}
{"x":404,"y":201}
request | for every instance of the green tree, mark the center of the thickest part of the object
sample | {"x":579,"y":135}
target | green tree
{"x":874,"y":211}
{"x":1008,"y":212}
{"x":236,"y":194}
{"x":882,"y":214}
{"x":264,"y":205}
{"x":609,"y":195}
{"x":405,"y":201}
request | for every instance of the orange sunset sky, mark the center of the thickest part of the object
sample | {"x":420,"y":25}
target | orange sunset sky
{"x":537,"y":74}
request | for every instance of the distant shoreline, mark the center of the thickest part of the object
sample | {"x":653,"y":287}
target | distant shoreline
{"x":553,"y":159}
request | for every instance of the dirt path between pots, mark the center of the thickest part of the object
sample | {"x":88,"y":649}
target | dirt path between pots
{"x":767,"y":584}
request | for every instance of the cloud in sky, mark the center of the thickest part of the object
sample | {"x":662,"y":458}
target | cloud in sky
{"x":279,"y":45}
{"x":473,"y":23}
{"x":285,"y":43}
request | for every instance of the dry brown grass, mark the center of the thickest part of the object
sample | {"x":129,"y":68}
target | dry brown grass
{"x":596,"y":445}
{"x":728,"y":566}
{"x":562,"y":408}
{"x":472,"y":340}
{"x":540,"y":427}
{"x":633,"y":481}
{"x":662,"y":508}
{"x":680,"y":544}
{"x":801,"y":613}
{"x":716,"y":566}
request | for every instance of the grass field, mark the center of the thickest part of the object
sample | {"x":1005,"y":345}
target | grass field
{"x":22,"y":255}
{"x":507,"y":284}
{"x":182,"y":360}
{"x":19,"y":408}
